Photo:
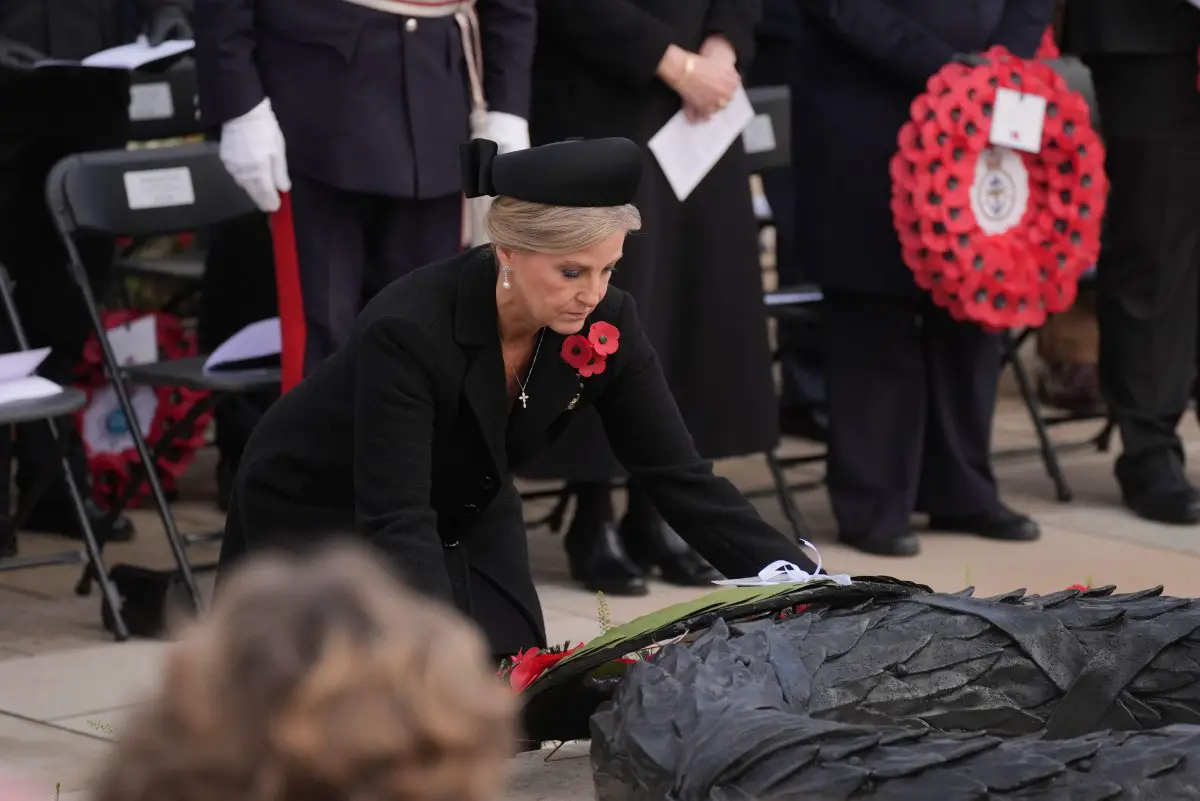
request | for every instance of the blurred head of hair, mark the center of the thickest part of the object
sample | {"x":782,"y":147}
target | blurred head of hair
{"x":319,"y":679}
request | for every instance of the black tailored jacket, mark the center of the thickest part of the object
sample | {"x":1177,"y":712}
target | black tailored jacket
{"x":367,"y":101}
{"x":406,"y":436}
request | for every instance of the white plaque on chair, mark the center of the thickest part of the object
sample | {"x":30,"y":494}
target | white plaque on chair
{"x":159,"y":189}
{"x":17,"y":379}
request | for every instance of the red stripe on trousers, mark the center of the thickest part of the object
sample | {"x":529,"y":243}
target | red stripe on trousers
{"x":287,"y":288}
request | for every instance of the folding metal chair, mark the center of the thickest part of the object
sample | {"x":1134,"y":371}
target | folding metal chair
{"x":164,"y":106}
{"x":69,"y":401}
{"x":156,"y":192}
{"x":1047,"y":449}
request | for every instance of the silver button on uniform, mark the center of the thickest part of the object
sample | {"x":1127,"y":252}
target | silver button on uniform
{"x":410,"y":25}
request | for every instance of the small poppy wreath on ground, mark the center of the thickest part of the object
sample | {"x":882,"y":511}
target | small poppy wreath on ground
{"x":588,"y":354}
{"x":998,"y":237}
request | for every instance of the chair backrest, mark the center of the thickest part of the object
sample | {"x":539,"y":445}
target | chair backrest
{"x":153,"y":192}
{"x":164,"y":105}
{"x":768,"y":137}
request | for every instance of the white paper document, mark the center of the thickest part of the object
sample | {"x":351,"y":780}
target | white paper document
{"x":782,"y":572}
{"x":135,"y":342}
{"x":17,"y":381}
{"x":131,"y":56}
{"x":257,"y":345}
{"x":687,"y":151}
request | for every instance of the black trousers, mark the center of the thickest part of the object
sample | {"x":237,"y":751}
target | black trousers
{"x":911,"y":398}
{"x":238,"y":289}
{"x":51,"y":307}
{"x":351,"y":245}
{"x":1148,"y":281}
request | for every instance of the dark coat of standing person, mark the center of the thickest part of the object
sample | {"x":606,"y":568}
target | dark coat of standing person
{"x":911,"y":392}
{"x":46,"y":115}
{"x":621,"y":68}
{"x":1142,"y":56}
{"x":359,"y":112}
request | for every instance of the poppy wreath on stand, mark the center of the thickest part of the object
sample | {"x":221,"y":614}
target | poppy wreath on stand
{"x":110,"y":450}
{"x":999,"y":237}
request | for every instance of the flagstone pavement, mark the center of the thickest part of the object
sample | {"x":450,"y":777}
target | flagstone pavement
{"x":65,"y":687}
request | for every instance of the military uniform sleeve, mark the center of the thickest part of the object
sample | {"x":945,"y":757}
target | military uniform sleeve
{"x":736,"y":20}
{"x":393,"y":456}
{"x":228,"y":78}
{"x":508,"y":29}
{"x":615,"y":35}
{"x":1022,"y":25}
{"x":884,"y":35}
{"x":648,"y":435}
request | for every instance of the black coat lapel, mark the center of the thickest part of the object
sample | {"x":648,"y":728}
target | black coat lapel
{"x":475,"y":328}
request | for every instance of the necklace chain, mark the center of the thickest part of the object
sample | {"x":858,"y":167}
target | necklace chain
{"x":524,"y":396}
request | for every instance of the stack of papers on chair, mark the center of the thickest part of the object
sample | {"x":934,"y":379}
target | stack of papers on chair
{"x":17,"y":379}
{"x":256,"y":346}
{"x":131,"y":56}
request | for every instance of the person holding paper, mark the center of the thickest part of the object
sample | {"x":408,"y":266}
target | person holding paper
{"x":625,"y":68}
{"x":911,"y":391}
{"x":1142,"y":56}
{"x":46,"y":115}
{"x":357,"y":110}
{"x":462,"y":372}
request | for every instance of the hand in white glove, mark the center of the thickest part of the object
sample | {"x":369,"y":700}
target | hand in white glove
{"x":252,"y":149}
{"x":508,"y":131}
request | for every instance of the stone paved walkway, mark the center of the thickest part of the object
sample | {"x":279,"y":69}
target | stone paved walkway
{"x":64,"y":686}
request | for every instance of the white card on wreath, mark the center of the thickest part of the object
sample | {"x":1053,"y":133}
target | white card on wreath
{"x":1017,"y":120}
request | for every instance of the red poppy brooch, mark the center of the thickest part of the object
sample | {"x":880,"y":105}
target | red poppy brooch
{"x":589,"y":354}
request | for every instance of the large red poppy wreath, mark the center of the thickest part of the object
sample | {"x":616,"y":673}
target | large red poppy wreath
{"x":998,"y":237}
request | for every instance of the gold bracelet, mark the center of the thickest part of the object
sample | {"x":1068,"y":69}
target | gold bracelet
{"x":689,"y":65}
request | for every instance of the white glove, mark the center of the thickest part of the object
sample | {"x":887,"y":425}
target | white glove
{"x":508,"y":131}
{"x":252,"y":150}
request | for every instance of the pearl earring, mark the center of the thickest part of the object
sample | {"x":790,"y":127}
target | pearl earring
{"x":506,"y":283}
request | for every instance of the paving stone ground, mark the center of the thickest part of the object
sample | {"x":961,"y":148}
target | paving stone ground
{"x":64,"y":684}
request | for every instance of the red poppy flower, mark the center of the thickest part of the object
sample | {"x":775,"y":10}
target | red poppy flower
{"x":594,"y":367}
{"x":577,"y":351}
{"x":1080,"y":587}
{"x":605,"y":338}
{"x":531,"y":663}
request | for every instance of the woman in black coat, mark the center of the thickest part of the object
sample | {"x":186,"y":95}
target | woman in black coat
{"x":624,"y":68}
{"x":459,"y":374}
{"x":911,"y":392}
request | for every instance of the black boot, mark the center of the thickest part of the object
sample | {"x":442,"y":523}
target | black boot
{"x":655,"y":547}
{"x":595,"y":555}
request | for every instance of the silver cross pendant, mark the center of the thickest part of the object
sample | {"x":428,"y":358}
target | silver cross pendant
{"x":524,"y":400}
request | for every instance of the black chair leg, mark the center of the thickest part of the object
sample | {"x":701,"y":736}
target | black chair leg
{"x":1103,"y":440}
{"x":1049,"y":456}
{"x":113,"y":368}
{"x":95,"y":557}
{"x":786,"y":500}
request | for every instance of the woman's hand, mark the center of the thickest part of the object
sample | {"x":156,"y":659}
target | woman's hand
{"x":718,"y":47}
{"x":704,"y":82}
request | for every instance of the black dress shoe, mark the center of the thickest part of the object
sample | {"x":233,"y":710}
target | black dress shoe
{"x":58,"y":517}
{"x":1155,"y":486}
{"x":905,"y":544}
{"x":657,"y":549}
{"x":1002,"y":524}
{"x":598,"y":561}
{"x":1178,"y":506}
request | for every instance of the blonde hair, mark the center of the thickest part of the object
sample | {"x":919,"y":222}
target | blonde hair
{"x":542,"y":228}
{"x":320,"y":680}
